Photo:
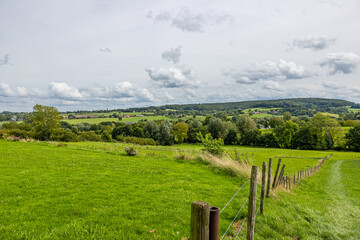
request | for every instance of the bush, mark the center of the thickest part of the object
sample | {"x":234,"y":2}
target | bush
{"x":90,"y":136}
{"x":106,"y":137}
{"x":64,"y":136}
{"x":211,"y":145}
{"x":21,"y":133}
{"x":131,"y":151}
{"x":138,"y":141}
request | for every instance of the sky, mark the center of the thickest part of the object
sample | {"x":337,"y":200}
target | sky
{"x":112,"y":54}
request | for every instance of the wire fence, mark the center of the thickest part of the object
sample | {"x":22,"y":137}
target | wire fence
{"x":201,"y":218}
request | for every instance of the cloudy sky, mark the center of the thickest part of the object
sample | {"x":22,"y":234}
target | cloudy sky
{"x":90,"y":54}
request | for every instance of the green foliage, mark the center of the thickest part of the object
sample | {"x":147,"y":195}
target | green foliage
{"x":285,"y":133}
{"x":131,"y":151}
{"x":45,"y":120}
{"x":89,"y":136}
{"x":286,"y":116}
{"x":64,"y":136}
{"x":138,"y":141}
{"x":353,"y":138}
{"x":249,"y":133}
{"x":105,"y":136}
{"x":164,"y":136}
{"x":180,"y":131}
{"x":211,"y":145}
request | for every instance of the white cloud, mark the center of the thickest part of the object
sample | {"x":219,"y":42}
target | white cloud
{"x":268,"y":70}
{"x":5,"y":90}
{"x":105,"y":50}
{"x":173,"y":77}
{"x":313,"y":43}
{"x":172,"y":54}
{"x":330,"y":85}
{"x":64,"y":91}
{"x":123,"y":90}
{"x":190,"y":22}
{"x":341,"y":62}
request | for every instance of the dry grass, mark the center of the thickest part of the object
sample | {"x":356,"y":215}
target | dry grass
{"x":238,"y":168}
{"x":185,"y":155}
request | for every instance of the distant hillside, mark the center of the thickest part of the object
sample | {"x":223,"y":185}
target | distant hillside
{"x":296,"y":105}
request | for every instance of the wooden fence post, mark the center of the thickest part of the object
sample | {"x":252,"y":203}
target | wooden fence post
{"x":281,"y":174}
{"x":276,"y":173}
{"x":269,"y":178}
{"x":252,"y":204}
{"x":200,"y":218}
{"x":263,"y":187}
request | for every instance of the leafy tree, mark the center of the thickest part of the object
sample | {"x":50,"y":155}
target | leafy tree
{"x":325,"y":132}
{"x":45,"y":120}
{"x":180,"y":131}
{"x":286,"y":116}
{"x":249,"y":133}
{"x":151,"y":129}
{"x":106,"y":136}
{"x":195,"y":126}
{"x":275,"y":122}
{"x":164,"y":136}
{"x":231,"y":138}
{"x":285,"y":133}
{"x":302,"y":139}
{"x":353,"y":138}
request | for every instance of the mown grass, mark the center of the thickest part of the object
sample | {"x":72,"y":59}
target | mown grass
{"x":94,"y":191}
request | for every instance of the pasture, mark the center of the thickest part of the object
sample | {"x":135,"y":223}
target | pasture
{"x":94,"y":191}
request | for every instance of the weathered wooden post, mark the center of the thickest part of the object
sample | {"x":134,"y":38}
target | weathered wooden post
{"x":269,"y":178}
{"x":252,"y":204}
{"x":263,"y":187}
{"x":200,"y":218}
{"x":276,"y":173}
{"x":281,"y":173}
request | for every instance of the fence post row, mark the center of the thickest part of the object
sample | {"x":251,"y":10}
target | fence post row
{"x":252,"y":204}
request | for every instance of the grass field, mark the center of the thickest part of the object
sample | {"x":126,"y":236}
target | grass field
{"x":94,"y":191}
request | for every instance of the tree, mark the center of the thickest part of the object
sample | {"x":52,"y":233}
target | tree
{"x":248,"y":131}
{"x":286,"y":116}
{"x":195,"y":126}
{"x":151,"y":129}
{"x":180,"y":131}
{"x":285,"y":133}
{"x":353,"y":138}
{"x":164,"y":135}
{"x":45,"y":120}
{"x":325,"y":132}
{"x":211,"y":145}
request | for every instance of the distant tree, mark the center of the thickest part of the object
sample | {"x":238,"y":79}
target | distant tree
{"x":285,"y":133}
{"x":286,"y":116}
{"x":151,"y":129}
{"x":249,"y":133}
{"x":164,"y":136}
{"x":275,"y":122}
{"x":45,"y":120}
{"x":106,"y":136}
{"x":231,"y":138}
{"x":302,"y":139}
{"x":325,"y":132}
{"x":180,"y":131}
{"x":353,"y":138}
{"x":195,"y":126}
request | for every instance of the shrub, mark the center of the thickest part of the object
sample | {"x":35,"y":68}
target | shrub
{"x":90,"y":136}
{"x":106,"y":137}
{"x":131,"y":151}
{"x":64,"y":136}
{"x":211,"y":145}
{"x":139,"y":141}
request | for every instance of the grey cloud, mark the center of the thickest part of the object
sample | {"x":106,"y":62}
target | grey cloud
{"x":173,"y":77}
{"x":5,"y":60}
{"x":172,"y":55}
{"x":190,"y":22}
{"x":330,"y":85}
{"x":313,"y":43}
{"x":270,"y":85}
{"x":341,"y":62}
{"x":268,"y":70}
{"x":105,"y":50}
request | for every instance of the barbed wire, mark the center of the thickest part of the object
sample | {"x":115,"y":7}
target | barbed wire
{"x":234,"y":196}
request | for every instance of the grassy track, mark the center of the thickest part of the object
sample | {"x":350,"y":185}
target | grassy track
{"x":324,"y":206}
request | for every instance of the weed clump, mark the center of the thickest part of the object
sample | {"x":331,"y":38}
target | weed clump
{"x":131,"y":151}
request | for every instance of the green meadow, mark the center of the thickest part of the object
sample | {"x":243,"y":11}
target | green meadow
{"x":92,"y":190}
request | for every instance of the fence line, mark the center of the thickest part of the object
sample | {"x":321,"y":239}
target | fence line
{"x":200,"y":219}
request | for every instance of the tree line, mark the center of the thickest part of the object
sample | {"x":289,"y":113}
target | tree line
{"x":320,"y":132}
